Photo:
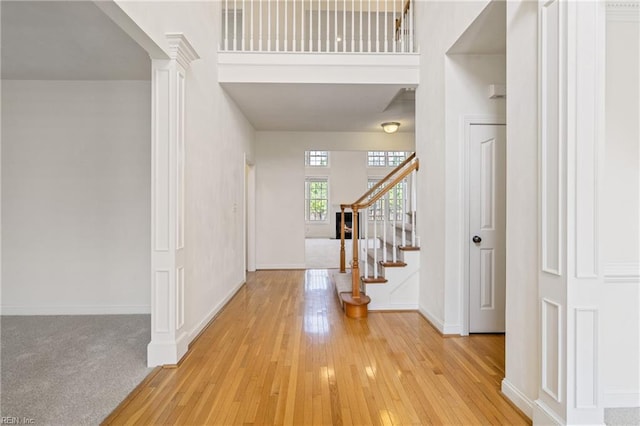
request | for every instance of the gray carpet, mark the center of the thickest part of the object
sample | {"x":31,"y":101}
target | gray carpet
{"x":70,"y":370}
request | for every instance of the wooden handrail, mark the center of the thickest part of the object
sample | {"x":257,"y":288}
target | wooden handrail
{"x":384,"y":179}
{"x":415,"y":166}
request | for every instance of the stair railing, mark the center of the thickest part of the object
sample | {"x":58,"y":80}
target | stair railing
{"x":377,"y":201}
{"x":317,"y":26}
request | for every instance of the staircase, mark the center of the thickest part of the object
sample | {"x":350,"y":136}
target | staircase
{"x":386,"y":260}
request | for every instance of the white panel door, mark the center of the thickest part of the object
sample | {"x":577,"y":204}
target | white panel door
{"x":487,"y":164}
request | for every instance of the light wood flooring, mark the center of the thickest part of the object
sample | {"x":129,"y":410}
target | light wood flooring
{"x":282,"y":352}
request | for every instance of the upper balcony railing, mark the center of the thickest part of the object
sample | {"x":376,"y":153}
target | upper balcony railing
{"x":318,"y":26}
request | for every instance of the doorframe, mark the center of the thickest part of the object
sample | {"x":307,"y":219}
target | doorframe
{"x":466,"y":122}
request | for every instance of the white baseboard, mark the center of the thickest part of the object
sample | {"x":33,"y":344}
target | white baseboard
{"x":519,"y":399}
{"x":283,"y":266}
{"x":167,"y":353}
{"x":75,"y":310}
{"x":543,"y":415}
{"x":216,"y":309}
{"x":438,"y":324}
{"x":621,"y":399}
{"x":392,"y":307}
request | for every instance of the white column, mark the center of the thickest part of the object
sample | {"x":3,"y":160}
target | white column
{"x":168,"y":336}
{"x":571,"y":103}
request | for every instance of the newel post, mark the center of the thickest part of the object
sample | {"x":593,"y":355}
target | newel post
{"x":355,"y":268}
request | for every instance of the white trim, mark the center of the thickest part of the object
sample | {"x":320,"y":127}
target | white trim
{"x":214,"y":312}
{"x":621,"y":399}
{"x":180,"y":49}
{"x":442,"y":327}
{"x":76,"y":310}
{"x":542,"y":142}
{"x":623,"y":11}
{"x":544,"y":415}
{"x":167,"y":352}
{"x":466,"y":122}
{"x":622,"y":272}
{"x":282,"y":266}
{"x":518,"y":398}
{"x":555,"y":394}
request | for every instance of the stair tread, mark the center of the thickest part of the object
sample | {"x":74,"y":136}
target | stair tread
{"x":390,"y":264}
{"x":374,"y":280}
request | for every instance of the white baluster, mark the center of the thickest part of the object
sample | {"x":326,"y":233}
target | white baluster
{"x":226,"y":25}
{"x":353,"y":25}
{"x":413,"y":208}
{"x":344,"y":25}
{"x":302,"y":26}
{"x":293,"y":46}
{"x":286,"y":25}
{"x":328,"y":19}
{"x":361,"y":41}
{"x":375,"y":240}
{"x":252,"y":35}
{"x":268,"y":25}
{"x":395,"y":32}
{"x":235,"y":25}
{"x":369,"y":27}
{"x":385,"y":214}
{"x":318,"y":47}
{"x":404,"y":223}
{"x":386,"y":27}
{"x":310,"y":26}
{"x":244,"y":27}
{"x":410,"y":28}
{"x":277,"y":25}
{"x":395,"y":227}
{"x":377,"y":25}
{"x":335,"y":26}
{"x":365,"y":242}
{"x":260,"y":29}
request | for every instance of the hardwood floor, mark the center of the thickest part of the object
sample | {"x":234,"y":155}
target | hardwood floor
{"x":282,"y":352}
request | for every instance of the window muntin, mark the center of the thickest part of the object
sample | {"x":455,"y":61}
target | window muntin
{"x":316,"y":199}
{"x":385,"y":158}
{"x":316,"y":158}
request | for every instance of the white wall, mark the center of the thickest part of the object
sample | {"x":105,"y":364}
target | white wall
{"x":218,"y":137}
{"x":621,"y":213}
{"x":441,"y":24}
{"x":467,"y":80}
{"x":75,"y":197}
{"x":280,"y":173}
{"x":521,"y":348}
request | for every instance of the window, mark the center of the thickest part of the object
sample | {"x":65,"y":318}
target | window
{"x":395,"y":158}
{"x":385,"y":158}
{"x":377,"y":209}
{"x":316,"y":158}
{"x":396,"y":198}
{"x":316,"y":199}
{"x":376,"y":159}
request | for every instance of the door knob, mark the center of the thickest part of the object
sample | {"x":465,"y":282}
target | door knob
{"x":476,"y":239}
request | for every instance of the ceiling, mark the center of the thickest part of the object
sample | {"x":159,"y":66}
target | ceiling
{"x":67,"y":40}
{"x":487,"y":34}
{"x":324,"y":107}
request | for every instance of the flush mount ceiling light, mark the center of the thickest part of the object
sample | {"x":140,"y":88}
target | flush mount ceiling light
{"x":390,"y":126}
